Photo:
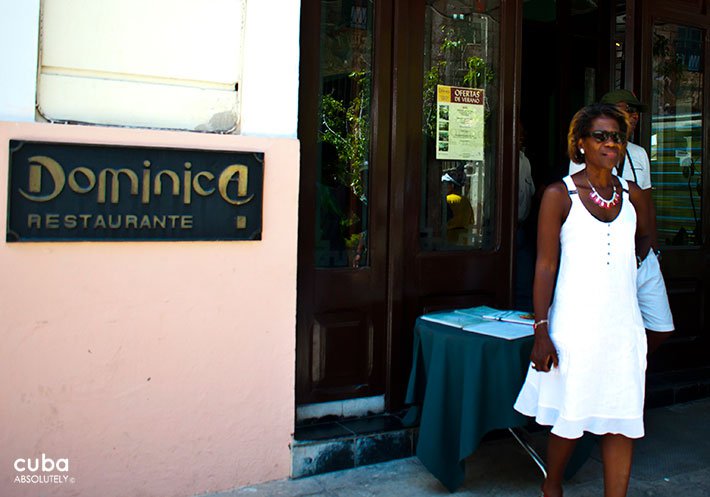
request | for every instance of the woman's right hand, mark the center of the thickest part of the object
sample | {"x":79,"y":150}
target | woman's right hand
{"x":544,"y":354}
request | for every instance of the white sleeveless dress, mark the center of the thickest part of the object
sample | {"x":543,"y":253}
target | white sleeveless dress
{"x":596,"y":326}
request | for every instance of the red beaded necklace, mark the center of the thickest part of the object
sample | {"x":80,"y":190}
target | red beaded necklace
{"x":601,"y":201}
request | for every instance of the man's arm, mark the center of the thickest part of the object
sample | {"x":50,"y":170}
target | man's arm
{"x":651,"y":213}
{"x":641,"y":202}
{"x":644,"y":170}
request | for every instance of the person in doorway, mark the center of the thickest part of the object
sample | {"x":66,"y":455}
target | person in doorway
{"x":459,"y":217}
{"x":526,"y":185}
{"x":635,"y":166}
{"x":524,"y":235}
{"x":588,"y":363}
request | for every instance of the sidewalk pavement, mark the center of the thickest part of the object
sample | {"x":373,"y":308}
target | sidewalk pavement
{"x":673,"y":460}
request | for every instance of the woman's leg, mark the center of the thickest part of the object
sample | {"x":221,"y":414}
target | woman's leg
{"x":617,"y":451}
{"x":559,"y":451}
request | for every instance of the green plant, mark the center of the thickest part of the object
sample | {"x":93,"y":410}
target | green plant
{"x":479,"y":74}
{"x":469,"y":71}
{"x":432,"y":78}
{"x":346,"y":125}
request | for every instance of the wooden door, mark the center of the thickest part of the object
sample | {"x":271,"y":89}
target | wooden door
{"x":440,"y":258}
{"x":674,"y":80}
{"x":344,"y":123}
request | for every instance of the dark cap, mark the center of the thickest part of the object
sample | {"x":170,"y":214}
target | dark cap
{"x":626,"y":96}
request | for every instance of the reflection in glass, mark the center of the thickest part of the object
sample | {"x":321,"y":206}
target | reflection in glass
{"x":459,"y":124}
{"x":619,"y":44}
{"x":677,"y":132}
{"x":342,"y":179}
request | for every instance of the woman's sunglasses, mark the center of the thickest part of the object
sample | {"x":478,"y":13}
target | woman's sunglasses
{"x":603,"y":136}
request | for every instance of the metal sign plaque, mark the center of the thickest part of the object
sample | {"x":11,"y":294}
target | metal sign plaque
{"x":80,"y":192}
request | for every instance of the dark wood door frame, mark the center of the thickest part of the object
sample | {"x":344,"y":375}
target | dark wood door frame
{"x":332,"y":299}
{"x":307,"y":133}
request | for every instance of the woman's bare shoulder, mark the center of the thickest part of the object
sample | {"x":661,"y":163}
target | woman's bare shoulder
{"x":556,"y":190}
{"x":555,"y":202}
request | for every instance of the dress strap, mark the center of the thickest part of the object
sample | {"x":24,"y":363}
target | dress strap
{"x":571,"y":187}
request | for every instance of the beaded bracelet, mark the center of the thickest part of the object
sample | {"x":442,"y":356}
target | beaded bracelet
{"x":539,"y":323}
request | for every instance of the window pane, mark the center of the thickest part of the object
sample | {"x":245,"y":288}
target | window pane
{"x":342,"y":184}
{"x":460,"y":115}
{"x":677,"y":132}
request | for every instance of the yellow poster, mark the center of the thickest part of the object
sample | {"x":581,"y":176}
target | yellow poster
{"x":459,"y":123}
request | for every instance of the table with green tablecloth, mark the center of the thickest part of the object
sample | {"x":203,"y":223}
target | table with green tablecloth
{"x":465,"y":385}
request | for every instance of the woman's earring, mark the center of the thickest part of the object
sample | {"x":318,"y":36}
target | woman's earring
{"x":581,"y":150}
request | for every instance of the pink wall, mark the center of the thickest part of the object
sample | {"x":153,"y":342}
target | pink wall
{"x":157,"y":369}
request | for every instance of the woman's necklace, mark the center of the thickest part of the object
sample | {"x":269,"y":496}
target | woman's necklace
{"x":601,"y":201}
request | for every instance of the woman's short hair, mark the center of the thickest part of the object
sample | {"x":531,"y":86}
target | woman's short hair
{"x":581,"y":125}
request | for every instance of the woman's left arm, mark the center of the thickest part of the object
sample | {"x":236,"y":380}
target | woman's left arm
{"x":643,"y":206}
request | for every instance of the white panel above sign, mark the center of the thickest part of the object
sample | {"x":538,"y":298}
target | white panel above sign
{"x":163,"y":63}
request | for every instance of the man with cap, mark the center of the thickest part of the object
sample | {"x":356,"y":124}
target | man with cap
{"x":635,"y":166}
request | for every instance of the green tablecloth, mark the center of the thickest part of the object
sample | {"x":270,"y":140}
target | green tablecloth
{"x":465,"y":385}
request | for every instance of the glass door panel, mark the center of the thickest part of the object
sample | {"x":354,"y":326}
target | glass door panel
{"x":677,"y":132}
{"x":344,"y":135}
{"x":460,"y":122}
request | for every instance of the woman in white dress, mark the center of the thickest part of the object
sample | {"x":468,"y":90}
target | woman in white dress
{"x":589,"y":357}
